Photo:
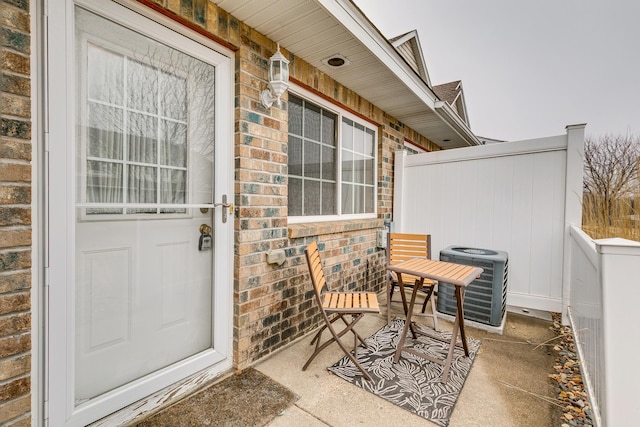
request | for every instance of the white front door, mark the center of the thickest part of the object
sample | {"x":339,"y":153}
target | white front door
{"x":139,"y":255}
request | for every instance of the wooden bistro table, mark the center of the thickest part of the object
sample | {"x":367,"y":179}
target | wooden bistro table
{"x":443,"y":272}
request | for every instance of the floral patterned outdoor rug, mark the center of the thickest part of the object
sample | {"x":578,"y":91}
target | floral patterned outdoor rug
{"x":413,"y":383}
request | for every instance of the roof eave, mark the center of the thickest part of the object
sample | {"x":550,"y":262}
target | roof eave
{"x":352,"y":18}
{"x":449,"y":115}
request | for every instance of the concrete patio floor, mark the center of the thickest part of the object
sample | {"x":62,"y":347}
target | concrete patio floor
{"x":507,"y":385}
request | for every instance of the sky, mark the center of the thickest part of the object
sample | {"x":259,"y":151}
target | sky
{"x":529,"y":68}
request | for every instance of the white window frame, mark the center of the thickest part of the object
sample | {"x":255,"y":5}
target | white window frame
{"x":340,"y":114}
{"x":408,"y":145}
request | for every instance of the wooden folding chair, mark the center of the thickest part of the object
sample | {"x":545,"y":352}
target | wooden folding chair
{"x":401,"y":247}
{"x":334,"y":306}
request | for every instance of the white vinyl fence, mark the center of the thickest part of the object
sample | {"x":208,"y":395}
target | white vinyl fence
{"x":518,"y":197}
{"x":525,"y":198}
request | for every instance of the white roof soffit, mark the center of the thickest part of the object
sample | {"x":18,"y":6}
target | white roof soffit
{"x":314,"y":30}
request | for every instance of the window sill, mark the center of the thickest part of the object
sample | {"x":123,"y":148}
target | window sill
{"x":332,"y":227}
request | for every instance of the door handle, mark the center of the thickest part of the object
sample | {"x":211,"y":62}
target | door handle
{"x":224,"y":205}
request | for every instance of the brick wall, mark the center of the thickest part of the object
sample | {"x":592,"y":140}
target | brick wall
{"x":274,"y":305}
{"x":15,"y":214}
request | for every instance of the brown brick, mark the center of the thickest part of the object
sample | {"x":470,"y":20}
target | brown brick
{"x":15,"y":261}
{"x":15,"y":172}
{"x":14,"y":324}
{"x":11,"y":303}
{"x":212,"y":18}
{"x":15,"y":128}
{"x":13,"y":389}
{"x":14,"y":408}
{"x":12,"y":238}
{"x":15,"y":40}
{"x":15,"y":84}
{"x":15,"y":195}
{"x":12,"y":149}
{"x":15,"y":282}
{"x":22,"y":4}
{"x":13,"y":62}
{"x":173,"y":5}
{"x":15,"y":105}
{"x":14,"y":367}
{"x":15,"y":216}
{"x":15,"y":344}
{"x":14,"y":18}
{"x":24,"y":421}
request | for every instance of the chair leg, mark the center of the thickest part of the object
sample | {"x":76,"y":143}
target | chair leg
{"x":318,"y":335}
{"x":336,"y":338}
{"x":357,"y":335}
{"x":430,"y":297}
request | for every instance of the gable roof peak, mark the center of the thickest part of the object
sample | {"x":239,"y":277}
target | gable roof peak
{"x":408,"y":46}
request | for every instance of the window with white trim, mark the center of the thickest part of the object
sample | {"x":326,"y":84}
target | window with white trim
{"x":332,"y":162}
{"x":411,"y":148}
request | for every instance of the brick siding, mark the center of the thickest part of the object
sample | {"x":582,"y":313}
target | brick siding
{"x":273,"y":305}
{"x":15,"y":214}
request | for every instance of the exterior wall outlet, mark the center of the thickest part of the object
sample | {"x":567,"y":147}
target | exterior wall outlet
{"x":276,"y":256}
{"x":381,"y":238}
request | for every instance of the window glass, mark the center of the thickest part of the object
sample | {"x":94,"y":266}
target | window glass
{"x":312,"y":199}
{"x":295,"y":116}
{"x":358,"y":168}
{"x":311,"y":161}
{"x":295,"y":156}
{"x":312,"y":122}
{"x":331,"y":162}
{"x":142,"y":81}
{"x":105,"y":136}
{"x":295,"y":196}
{"x":137,"y":138}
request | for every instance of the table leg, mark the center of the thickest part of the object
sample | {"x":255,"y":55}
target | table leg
{"x":389,"y":285}
{"x":457,"y":326}
{"x":407,"y":325}
{"x":460,"y":304}
{"x":452,"y":346}
{"x":402,"y":295}
{"x":404,"y":299}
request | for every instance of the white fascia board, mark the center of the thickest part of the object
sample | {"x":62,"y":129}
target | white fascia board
{"x":421,"y":57}
{"x":404,"y":38}
{"x":464,"y":103}
{"x":448,"y":114}
{"x":354,"y":21}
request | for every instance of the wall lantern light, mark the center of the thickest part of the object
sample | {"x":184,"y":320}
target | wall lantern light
{"x":278,"y":79}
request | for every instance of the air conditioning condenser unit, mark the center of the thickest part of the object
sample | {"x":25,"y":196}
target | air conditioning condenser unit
{"x":485,"y":298}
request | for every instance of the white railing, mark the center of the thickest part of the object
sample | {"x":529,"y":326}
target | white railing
{"x":585,"y":315}
{"x":604,"y":295}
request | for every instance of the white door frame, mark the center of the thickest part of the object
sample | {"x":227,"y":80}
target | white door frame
{"x":60,"y":217}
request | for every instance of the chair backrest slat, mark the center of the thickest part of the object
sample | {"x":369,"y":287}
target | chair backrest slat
{"x":402,"y":246}
{"x":315,"y":268}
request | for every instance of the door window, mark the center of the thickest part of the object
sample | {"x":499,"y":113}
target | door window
{"x":138,"y":135}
